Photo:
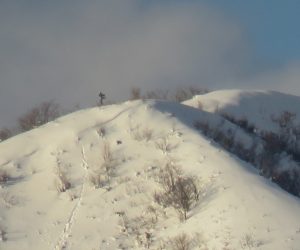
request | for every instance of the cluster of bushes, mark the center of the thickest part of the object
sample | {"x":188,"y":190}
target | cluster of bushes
{"x":288,"y":138}
{"x":242,"y":122}
{"x":39,"y":115}
{"x":276,"y":155}
{"x":179,"y":95}
{"x":35,"y":117}
{"x":5,"y":133}
{"x":178,"y":191}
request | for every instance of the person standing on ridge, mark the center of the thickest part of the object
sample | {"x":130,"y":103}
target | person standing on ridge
{"x":102,"y":97}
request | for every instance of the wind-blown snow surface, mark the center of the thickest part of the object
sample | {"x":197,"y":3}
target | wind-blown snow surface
{"x":237,"y":204}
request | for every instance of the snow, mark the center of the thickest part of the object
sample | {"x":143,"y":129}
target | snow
{"x":257,"y":106}
{"x":237,"y":204}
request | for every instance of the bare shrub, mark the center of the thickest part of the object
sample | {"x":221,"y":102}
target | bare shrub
{"x":124,"y":221}
{"x":246,"y":125}
{"x":285,"y":120}
{"x":180,"y":94}
{"x":3,"y":234}
{"x":228,"y":140}
{"x":181,"y":242}
{"x":39,"y":115}
{"x":180,"y":192}
{"x":249,"y":242}
{"x":184,"y":195}
{"x":273,"y":146}
{"x":109,"y":164}
{"x":268,"y":149}
{"x":72,"y":195}
{"x":203,"y":126}
{"x":62,"y":183}
{"x":96,"y":179}
{"x":141,"y":134}
{"x":30,"y":120}
{"x":267,"y":160}
{"x":138,"y":227}
{"x":168,"y":176}
{"x":129,"y":226}
{"x":4,"y":176}
{"x":289,"y":133}
{"x":163,"y":145}
{"x":135,"y":93}
{"x":147,"y":134}
{"x":288,"y":179}
{"x":101,"y":131}
{"x":5,"y":133}
{"x":273,"y":143}
{"x":9,"y":199}
{"x":241,"y":122}
{"x":218,"y":136}
{"x":148,"y":237}
{"x":107,"y":155}
{"x":159,"y":94}
{"x":153,"y":212}
{"x":166,"y":200}
{"x":185,"y":93}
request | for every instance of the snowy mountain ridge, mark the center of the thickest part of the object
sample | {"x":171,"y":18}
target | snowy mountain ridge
{"x":89,"y":180}
{"x":258,"y":106}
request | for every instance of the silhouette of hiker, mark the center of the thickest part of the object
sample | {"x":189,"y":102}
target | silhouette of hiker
{"x":102,"y":97}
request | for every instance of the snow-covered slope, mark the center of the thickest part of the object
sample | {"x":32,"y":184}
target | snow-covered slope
{"x":258,"y":107}
{"x":237,"y":208}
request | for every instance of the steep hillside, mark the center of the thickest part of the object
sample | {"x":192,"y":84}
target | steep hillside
{"x":271,"y":119}
{"x":96,"y":179}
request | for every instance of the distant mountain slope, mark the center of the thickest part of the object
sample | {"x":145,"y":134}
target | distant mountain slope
{"x":51,"y":196}
{"x":271,"y":119}
{"x":258,"y":107}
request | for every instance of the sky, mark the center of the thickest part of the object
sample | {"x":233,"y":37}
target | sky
{"x":70,"y":50}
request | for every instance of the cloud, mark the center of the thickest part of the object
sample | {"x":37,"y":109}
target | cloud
{"x":71,"y":50}
{"x":285,"y":79}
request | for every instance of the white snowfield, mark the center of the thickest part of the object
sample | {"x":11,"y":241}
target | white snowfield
{"x":237,"y":209}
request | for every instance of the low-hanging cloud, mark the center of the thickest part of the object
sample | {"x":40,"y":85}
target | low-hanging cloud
{"x":285,"y":79}
{"x":70,"y":50}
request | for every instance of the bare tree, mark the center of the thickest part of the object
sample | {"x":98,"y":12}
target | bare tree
{"x":168,"y":176}
{"x":5,"y":134}
{"x":180,"y":192}
{"x":39,"y":115}
{"x":183,"y":196}
{"x":135,"y":93}
{"x":185,"y":93}
{"x":180,"y":94}
{"x":159,"y":94}
{"x":285,"y":120}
